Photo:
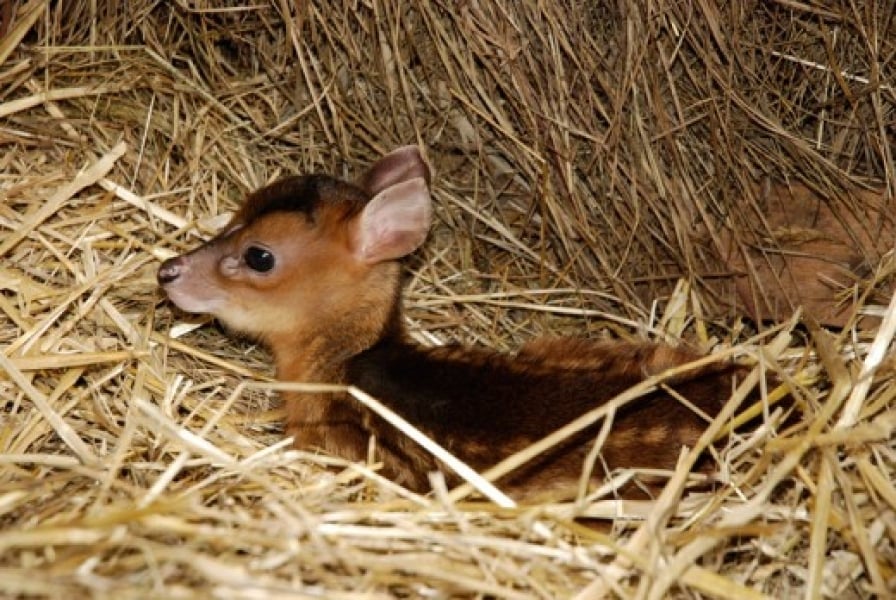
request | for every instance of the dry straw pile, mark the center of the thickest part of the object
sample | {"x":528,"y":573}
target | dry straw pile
{"x":596,"y":163}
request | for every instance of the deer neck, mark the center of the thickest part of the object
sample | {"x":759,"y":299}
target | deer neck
{"x":321,"y":354}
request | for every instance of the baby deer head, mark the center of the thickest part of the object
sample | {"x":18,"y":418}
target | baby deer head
{"x":310,"y":256}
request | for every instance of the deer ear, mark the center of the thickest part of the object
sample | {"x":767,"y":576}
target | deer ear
{"x":402,"y":164}
{"x":394,"y":223}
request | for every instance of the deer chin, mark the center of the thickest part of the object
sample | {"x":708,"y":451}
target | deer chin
{"x":191,"y":302}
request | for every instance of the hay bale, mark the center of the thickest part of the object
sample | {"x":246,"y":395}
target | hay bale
{"x":594,"y":163}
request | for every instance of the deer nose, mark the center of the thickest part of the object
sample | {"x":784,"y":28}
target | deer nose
{"x":170,"y":270}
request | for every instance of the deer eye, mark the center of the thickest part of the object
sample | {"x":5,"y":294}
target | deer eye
{"x":259,"y":259}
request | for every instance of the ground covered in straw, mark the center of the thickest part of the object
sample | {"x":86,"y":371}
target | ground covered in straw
{"x":595,"y":163}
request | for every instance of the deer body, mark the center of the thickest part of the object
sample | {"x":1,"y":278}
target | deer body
{"x":309,"y":266}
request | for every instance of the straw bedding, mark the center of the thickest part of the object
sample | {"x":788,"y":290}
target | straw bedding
{"x":599,"y":169}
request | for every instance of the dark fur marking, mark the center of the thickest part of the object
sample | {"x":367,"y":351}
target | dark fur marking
{"x":305,"y":194}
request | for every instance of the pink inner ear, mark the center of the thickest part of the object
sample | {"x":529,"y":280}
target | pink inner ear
{"x":394,"y":223}
{"x":402,"y":164}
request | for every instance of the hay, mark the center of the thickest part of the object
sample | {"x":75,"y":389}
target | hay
{"x":593,"y":163}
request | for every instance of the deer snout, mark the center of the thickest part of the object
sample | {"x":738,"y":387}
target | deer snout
{"x":190,"y":285}
{"x":171,"y":269}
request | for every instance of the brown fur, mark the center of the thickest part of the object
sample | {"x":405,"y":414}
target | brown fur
{"x":328,"y":317}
